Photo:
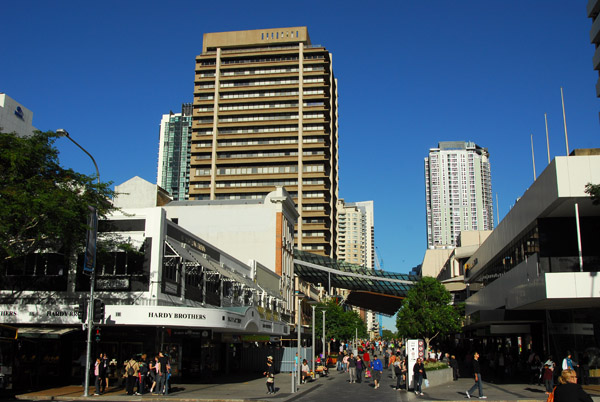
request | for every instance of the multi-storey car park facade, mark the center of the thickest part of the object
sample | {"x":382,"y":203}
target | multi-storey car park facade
{"x":265,"y":115}
{"x":458,"y":192}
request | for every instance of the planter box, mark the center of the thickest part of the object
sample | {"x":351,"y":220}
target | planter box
{"x":439,"y":377}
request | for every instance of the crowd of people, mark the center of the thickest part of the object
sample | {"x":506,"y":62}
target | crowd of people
{"x":368,"y":364}
{"x":140,"y":373}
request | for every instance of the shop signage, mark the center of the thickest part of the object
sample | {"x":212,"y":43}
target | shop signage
{"x":39,"y":314}
{"x":571,"y":329}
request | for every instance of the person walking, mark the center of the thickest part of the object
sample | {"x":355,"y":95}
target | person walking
{"x":548,"y":378}
{"x":132,"y":368}
{"x":377,"y":367}
{"x":392,"y":365}
{"x":568,"y":363}
{"x":400,"y":371}
{"x":270,"y":374}
{"x":478,"y":380}
{"x":419,"y":375}
{"x":352,"y":368}
{"x":568,"y":390}
{"x":359,"y":369}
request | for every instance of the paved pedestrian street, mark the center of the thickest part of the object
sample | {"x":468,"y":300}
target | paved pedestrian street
{"x":334,"y":388}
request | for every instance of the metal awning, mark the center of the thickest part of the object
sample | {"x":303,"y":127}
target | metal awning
{"x":199,"y":258}
{"x":41,"y":332}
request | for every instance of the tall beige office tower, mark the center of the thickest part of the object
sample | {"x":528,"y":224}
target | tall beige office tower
{"x":458,"y":192}
{"x":265,"y":115}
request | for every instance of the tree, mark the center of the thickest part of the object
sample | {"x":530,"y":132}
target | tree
{"x":43,"y":206}
{"x":594,"y":191}
{"x":426,"y":312}
{"x":339,"y":324}
{"x":387,"y":334}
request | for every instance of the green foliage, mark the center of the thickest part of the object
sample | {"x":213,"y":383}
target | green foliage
{"x":43,"y":206}
{"x":431,"y":366}
{"x":594,"y":191}
{"x":426,"y":312}
{"x":387,"y":334}
{"x":339,"y":324}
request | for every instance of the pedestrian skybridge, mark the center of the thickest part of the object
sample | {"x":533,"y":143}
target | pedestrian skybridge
{"x":371,"y":289}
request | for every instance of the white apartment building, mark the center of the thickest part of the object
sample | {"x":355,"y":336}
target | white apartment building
{"x":356,"y":242}
{"x":458,"y":192}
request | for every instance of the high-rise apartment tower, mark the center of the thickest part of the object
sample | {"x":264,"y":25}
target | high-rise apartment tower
{"x":265,"y":115}
{"x":458,"y":192}
{"x":356,"y":231}
{"x":174,"y":152}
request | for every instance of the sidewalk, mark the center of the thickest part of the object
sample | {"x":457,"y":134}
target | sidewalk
{"x":238,"y":389}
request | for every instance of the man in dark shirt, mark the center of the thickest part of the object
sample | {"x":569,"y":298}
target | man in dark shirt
{"x":478,"y":381}
{"x":162,"y":373}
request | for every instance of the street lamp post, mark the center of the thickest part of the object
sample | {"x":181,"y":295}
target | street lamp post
{"x":89,"y":321}
{"x":313,"y":304}
{"x":324,"y":348}
{"x":296,"y":373}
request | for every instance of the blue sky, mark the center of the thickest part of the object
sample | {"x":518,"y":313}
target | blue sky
{"x":410,"y":74}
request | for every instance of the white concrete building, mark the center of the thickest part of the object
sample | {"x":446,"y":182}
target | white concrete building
{"x":538,"y":270}
{"x":458,"y":192}
{"x":255,"y":232}
{"x":14,"y":117}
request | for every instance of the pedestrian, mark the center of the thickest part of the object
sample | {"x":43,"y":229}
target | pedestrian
{"x":143,"y":375}
{"x":419,"y":375}
{"x":391,"y":365}
{"x":568,"y":390}
{"x":377,"y":367}
{"x":97,"y":375}
{"x":568,"y":363}
{"x":162,"y":371}
{"x":345,"y":362}
{"x":454,"y":364}
{"x":352,"y":368}
{"x":548,"y":378}
{"x":103,"y":373}
{"x":478,"y":380}
{"x":585,"y":369}
{"x":399,"y":370}
{"x":339,"y":360}
{"x":367,"y":359}
{"x":359,"y":369}
{"x":270,"y":374}
{"x":131,"y":373}
{"x":154,"y":373}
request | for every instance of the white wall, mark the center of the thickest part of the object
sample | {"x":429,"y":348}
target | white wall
{"x":246,"y":232}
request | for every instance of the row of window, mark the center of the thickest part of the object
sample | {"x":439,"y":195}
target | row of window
{"x":270,"y":129}
{"x":264,"y":94}
{"x":265,"y":141}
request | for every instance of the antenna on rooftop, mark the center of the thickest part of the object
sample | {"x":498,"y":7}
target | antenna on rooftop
{"x":547,"y":138}
{"x":564,"y":119}
{"x":533,"y":158}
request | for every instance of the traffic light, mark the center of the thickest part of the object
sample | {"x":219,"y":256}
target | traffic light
{"x":98,"y":310}
{"x":97,"y":336}
{"x":82,"y":311}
